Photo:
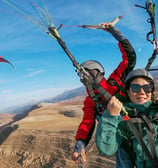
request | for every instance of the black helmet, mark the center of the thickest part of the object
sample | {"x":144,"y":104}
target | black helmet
{"x":91,"y":64}
{"x":138,"y":73}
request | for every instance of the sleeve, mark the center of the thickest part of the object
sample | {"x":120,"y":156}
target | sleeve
{"x":128,"y":57}
{"x":116,"y":33}
{"x":106,"y":136}
{"x":87,"y":124}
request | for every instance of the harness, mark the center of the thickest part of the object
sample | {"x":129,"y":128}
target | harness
{"x":100,"y":105}
{"x":135,"y":124}
{"x":98,"y":97}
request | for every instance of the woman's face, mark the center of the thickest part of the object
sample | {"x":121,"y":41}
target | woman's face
{"x":138,"y":94}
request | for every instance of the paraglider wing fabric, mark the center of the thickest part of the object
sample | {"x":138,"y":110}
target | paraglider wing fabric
{"x":4,"y":60}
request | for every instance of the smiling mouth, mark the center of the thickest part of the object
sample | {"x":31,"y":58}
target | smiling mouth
{"x":141,"y":98}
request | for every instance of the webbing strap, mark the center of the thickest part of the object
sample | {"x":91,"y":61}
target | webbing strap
{"x":95,"y":98}
{"x":151,"y":134}
{"x":114,"y":83}
{"x":148,"y":124}
{"x":102,"y":91}
{"x":80,"y":164}
{"x":151,"y":59}
{"x":151,"y":156}
{"x":91,"y":92}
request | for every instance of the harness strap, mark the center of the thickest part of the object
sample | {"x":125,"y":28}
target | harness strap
{"x":114,"y":83}
{"x":95,"y":98}
{"x":148,"y":124}
{"x":80,"y":165}
{"x":151,"y":59}
{"x":91,"y":92}
{"x":136,"y":133}
{"x":102,"y":91}
{"x":151,"y":134}
{"x":152,"y":145}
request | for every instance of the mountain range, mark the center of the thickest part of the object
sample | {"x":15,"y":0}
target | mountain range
{"x":68,"y":94}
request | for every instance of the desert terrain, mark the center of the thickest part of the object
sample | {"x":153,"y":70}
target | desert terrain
{"x":44,"y":138}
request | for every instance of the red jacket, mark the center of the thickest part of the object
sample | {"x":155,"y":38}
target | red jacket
{"x":87,"y":124}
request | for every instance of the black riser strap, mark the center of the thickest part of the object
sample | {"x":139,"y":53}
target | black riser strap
{"x":141,"y":142}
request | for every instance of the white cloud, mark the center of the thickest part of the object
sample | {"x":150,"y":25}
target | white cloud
{"x":5,"y":91}
{"x":35,"y":72}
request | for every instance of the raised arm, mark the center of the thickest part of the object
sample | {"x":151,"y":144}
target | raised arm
{"x":128,"y":56}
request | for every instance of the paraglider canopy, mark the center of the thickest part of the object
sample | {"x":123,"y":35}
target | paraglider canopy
{"x":6,"y":61}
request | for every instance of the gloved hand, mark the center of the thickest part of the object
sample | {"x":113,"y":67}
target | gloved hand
{"x":79,"y":150}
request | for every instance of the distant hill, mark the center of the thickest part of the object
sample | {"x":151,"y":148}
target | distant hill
{"x":69,"y":94}
{"x":17,"y":109}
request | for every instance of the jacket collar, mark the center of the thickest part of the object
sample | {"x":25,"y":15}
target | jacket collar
{"x":139,"y":107}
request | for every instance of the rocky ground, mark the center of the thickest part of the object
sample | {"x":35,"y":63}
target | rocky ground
{"x":45,"y":137}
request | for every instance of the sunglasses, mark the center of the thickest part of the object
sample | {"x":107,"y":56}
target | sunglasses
{"x":136,"y":88}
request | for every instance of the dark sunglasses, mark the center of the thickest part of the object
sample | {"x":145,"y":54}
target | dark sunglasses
{"x":136,"y":88}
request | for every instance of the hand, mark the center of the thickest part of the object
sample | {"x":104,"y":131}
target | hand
{"x":75,"y":156}
{"x":106,"y":25}
{"x":114,"y":106}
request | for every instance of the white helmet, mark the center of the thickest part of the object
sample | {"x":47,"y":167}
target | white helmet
{"x":91,"y":64}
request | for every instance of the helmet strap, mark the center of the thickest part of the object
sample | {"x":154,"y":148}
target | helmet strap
{"x":99,"y":77}
{"x":96,"y":75}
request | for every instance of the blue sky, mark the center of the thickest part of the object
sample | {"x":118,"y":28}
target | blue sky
{"x":43,"y":70}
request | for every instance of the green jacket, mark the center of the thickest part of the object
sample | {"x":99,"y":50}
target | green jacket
{"x":112,"y":132}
